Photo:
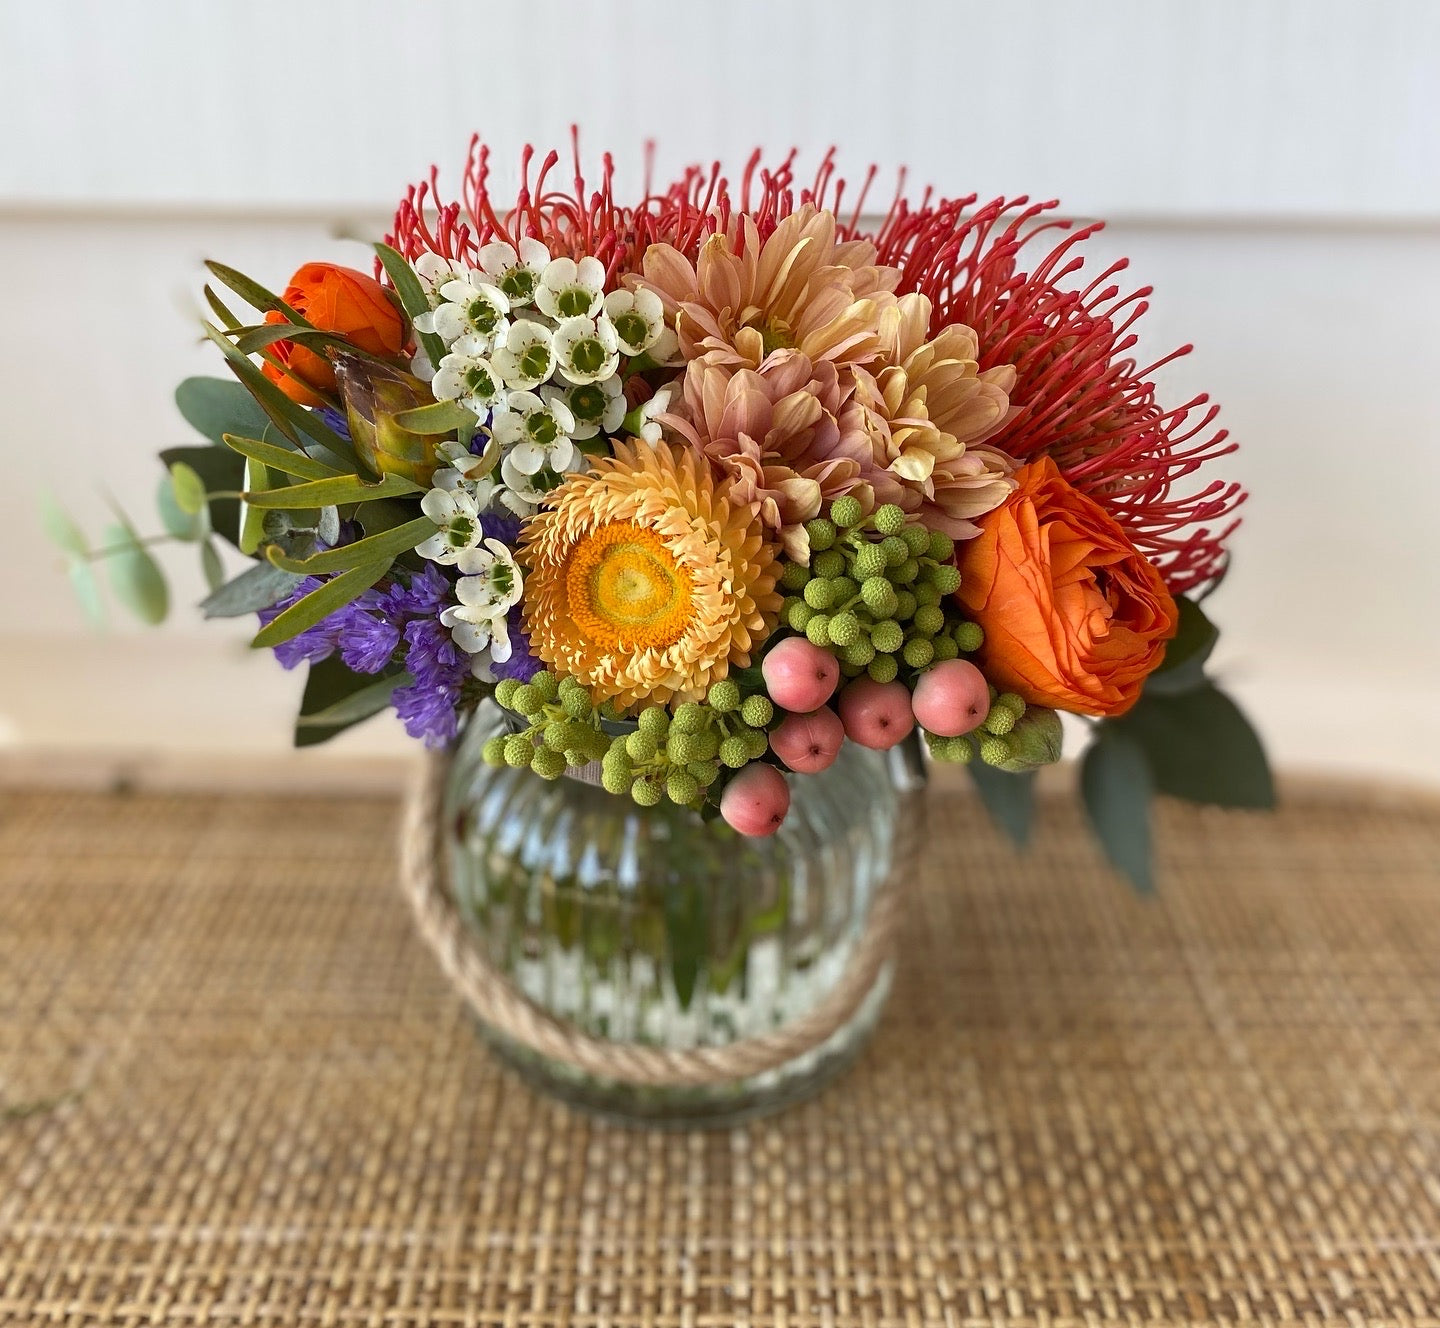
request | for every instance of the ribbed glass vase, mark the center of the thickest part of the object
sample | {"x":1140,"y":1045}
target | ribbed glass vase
{"x":658,"y":927}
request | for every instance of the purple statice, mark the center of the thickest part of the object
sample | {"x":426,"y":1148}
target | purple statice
{"x":367,"y":641}
{"x":336,"y":420}
{"x":429,"y":706}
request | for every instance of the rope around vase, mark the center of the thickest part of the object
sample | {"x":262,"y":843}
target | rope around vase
{"x":509,"y":1012}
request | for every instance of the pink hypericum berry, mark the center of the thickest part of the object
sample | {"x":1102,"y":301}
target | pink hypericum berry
{"x":952,"y":698}
{"x":756,"y":800}
{"x":799,"y":675}
{"x":876,"y":714}
{"x":809,"y":743}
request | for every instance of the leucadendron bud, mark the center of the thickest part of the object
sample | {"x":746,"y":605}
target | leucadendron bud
{"x":374,"y":394}
{"x":1034,"y":741}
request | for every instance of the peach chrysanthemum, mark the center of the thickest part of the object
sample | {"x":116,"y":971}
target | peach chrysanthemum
{"x":646,"y":581}
{"x":926,"y":409}
{"x":777,"y":434}
{"x":796,"y":289}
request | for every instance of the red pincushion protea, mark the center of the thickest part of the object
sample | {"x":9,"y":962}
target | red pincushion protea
{"x":1083,"y":399}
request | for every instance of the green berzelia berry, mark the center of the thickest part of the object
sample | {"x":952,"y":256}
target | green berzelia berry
{"x":859,"y":652}
{"x":654,"y":722}
{"x":929,"y":618}
{"x":681,"y":787}
{"x":994,"y":750}
{"x":646,"y":791}
{"x":846,"y":511}
{"x":546,"y":685}
{"x":1013,"y":702}
{"x":690,"y":718}
{"x":758,"y":742}
{"x":905,"y":573}
{"x":641,"y":746}
{"x":887,"y":637}
{"x":844,"y":629}
{"x":682,"y":747}
{"x":883,"y":668}
{"x":615,"y":780}
{"x":999,"y":721}
{"x":888,"y":519}
{"x":879,"y":596}
{"x":918,"y":652}
{"x":518,"y":750}
{"x":869,"y":560}
{"x":724,"y":696}
{"x":945,"y":648}
{"x":905,"y":605}
{"x":793,"y":576}
{"x":704,"y":773}
{"x":734,"y":752}
{"x":945,"y":578}
{"x":505,"y":691}
{"x":575,"y":702}
{"x":526,"y":700}
{"x":895,"y":549}
{"x":917,"y":539}
{"x":799,"y":615}
{"x":548,"y":764}
{"x":969,"y":636}
{"x":831,"y":564}
{"x":817,"y":593}
{"x":817,"y":629}
{"x":493,"y":752}
{"x":821,"y":533}
{"x":757,"y":711}
{"x":942,"y":547}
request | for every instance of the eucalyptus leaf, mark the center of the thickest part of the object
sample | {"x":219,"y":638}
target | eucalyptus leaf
{"x":1116,"y":786}
{"x":412,"y":298}
{"x":188,"y":487}
{"x":388,"y":544}
{"x":259,"y":586}
{"x":223,"y":472}
{"x":284,"y":459}
{"x":87,"y":591}
{"x":328,"y":527}
{"x":320,"y":603}
{"x":216,"y":406}
{"x":342,"y":697}
{"x":337,"y":489}
{"x":1183,"y":668}
{"x":60,"y":528}
{"x":1200,"y":748}
{"x":182,"y":525}
{"x":688,"y":936}
{"x":135,"y":576}
{"x":1010,"y":799}
{"x":212,"y":565}
{"x":358,"y":705}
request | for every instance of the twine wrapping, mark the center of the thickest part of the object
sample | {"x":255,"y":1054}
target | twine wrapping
{"x":424,"y":876}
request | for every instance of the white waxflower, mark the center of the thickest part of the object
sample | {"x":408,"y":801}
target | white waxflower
{"x":468,"y":375}
{"x":522,"y":494}
{"x":517,"y":274}
{"x":489,"y":585}
{"x":594,"y":406}
{"x":572,"y":290}
{"x":586,"y":351}
{"x":649,"y":428}
{"x":534,"y":432}
{"x":666,"y":349}
{"x":434,"y":272}
{"x":469,"y":468}
{"x":638,"y":318}
{"x":525,"y":357}
{"x":420,"y":365}
{"x":456,"y":515}
{"x":470,"y":307}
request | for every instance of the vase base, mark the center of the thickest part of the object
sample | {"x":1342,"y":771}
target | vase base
{"x":703,"y":1106}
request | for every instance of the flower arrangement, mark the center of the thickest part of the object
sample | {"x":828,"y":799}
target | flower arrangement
{"x":698,"y":488}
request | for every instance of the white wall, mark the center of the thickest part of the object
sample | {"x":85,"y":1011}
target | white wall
{"x":1271,"y":166}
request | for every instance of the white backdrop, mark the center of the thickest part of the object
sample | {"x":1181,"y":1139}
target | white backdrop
{"x":1271,"y":168}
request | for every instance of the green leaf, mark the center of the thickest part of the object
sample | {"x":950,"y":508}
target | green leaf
{"x":1200,"y":748}
{"x":182,"y":525}
{"x":320,"y":603}
{"x":87,"y":591}
{"x":336,"y":698}
{"x":222,"y":472}
{"x":438,"y":417}
{"x":1116,"y":786}
{"x":257,"y":587}
{"x":254,"y":294}
{"x":339,"y":489}
{"x":284,"y":459}
{"x":216,"y":406}
{"x":212,"y":566}
{"x":1010,"y":799}
{"x":136,"y":577}
{"x":412,"y":298}
{"x":252,"y":514}
{"x":61,"y":528}
{"x":685,"y":927}
{"x":387,"y":544}
{"x":1183,"y":668}
{"x":288,"y":416}
{"x":361,"y":704}
{"x":188,"y":487}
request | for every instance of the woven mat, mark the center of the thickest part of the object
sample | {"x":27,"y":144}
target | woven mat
{"x":236,"y":1091}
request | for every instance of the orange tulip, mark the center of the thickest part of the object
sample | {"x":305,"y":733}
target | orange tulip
{"x":334,"y":299}
{"x":1075,"y":617}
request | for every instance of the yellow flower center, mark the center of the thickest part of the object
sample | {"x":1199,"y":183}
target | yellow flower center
{"x":625,"y":589}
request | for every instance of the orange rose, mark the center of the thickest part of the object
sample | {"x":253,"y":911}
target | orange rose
{"x":1074,"y":616}
{"x":335,"y":299}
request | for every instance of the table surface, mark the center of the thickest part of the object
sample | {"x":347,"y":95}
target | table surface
{"x":236,"y":1090}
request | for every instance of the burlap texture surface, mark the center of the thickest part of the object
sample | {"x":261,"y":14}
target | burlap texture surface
{"x":236,"y":1090}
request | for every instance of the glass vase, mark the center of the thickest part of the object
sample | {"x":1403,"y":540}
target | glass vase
{"x":659,"y":927}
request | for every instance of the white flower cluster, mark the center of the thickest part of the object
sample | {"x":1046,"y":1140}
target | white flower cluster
{"x":533,"y":346}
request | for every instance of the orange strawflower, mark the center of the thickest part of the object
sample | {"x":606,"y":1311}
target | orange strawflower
{"x":646,"y":581}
